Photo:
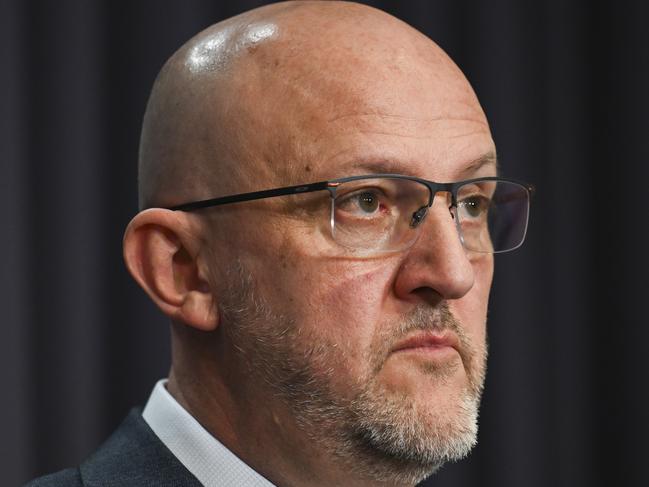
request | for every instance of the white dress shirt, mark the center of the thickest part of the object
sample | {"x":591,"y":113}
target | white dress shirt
{"x":202,"y":454}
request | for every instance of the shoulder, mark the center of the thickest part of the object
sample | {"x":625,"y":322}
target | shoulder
{"x":132,"y":456}
{"x":135,"y":456}
{"x":65,"y":478}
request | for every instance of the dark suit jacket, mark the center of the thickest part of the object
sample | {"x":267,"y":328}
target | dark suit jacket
{"x":132,"y":457}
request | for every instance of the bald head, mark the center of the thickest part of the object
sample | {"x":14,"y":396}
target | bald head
{"x":258,"y":97}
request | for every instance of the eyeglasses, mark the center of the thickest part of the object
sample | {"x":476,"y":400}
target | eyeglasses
{"x":381,"y":213}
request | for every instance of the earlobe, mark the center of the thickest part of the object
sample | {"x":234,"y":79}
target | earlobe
{"x":161,"y":253}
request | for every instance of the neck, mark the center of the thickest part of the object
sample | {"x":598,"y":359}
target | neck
{"x":255,"y":425}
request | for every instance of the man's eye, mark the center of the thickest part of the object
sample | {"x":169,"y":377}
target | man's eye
{"x":368,"y":202}
{"x":362,"y":203}
{"x":474,"y":206}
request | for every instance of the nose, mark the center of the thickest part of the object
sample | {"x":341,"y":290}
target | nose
{"x":437,"y":265}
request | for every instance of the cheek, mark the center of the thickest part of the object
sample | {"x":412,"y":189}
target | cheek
{"x":353,"y":307}
{"x":355,"y":290}
{"x":349,"y":298}
{"x":338,"y":303}
{"x":334,"y":301}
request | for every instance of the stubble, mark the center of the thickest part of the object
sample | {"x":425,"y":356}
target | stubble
{"x":382,"y":435}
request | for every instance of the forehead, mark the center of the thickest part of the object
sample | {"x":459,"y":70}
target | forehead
{"x":328,"y":114}
{"x":444,"y":148}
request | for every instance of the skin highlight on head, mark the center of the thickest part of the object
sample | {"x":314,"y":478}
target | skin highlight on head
{"x":281,"y":348}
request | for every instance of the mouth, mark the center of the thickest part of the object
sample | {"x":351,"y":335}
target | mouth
{"x":430,"y":343}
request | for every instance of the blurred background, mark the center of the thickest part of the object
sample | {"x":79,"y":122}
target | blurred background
{"x":565,"y":87}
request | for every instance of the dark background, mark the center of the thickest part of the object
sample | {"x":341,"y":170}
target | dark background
{"x":564,"y":84}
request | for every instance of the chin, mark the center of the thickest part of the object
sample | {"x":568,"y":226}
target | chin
{"x":424,"y":380}
{"x":404,"y":437}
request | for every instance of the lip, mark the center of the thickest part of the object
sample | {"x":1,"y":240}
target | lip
{"x":428,"y":341}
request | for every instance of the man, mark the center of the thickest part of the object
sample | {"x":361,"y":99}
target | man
{"x":322,"y":334}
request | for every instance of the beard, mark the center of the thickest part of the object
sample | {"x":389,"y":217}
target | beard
{"x":377,"y":433}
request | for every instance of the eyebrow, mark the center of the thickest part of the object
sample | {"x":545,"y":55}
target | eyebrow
{"x":475,"y":165}
{"x":392,"y":166}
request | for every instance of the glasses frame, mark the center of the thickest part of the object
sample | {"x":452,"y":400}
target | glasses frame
{"x":332,"y":185}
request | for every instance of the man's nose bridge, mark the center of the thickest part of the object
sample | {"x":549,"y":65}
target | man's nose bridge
{"x":438,"y":198}
{"x":440,"y":220}
{"x":441,"y":195}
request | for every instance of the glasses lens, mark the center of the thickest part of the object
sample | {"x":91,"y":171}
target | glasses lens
{"x":492,"y":215}
{"x":375,"y":215}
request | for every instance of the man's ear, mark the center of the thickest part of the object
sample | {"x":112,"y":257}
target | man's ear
{"x":162,"y":253}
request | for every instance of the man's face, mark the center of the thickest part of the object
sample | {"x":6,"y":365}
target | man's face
{"x":354,"y":346}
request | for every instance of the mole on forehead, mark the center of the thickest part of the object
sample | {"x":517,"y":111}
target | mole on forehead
{"x":214,"y":51}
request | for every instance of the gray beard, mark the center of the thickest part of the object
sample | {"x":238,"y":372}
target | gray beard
{"x":378,"y":435}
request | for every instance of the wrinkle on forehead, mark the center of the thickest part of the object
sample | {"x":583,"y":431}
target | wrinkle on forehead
{"x":410,"y":126}
{"x":387,"y":116}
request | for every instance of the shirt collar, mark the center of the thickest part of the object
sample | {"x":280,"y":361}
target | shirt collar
{"x":202,"y":454}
